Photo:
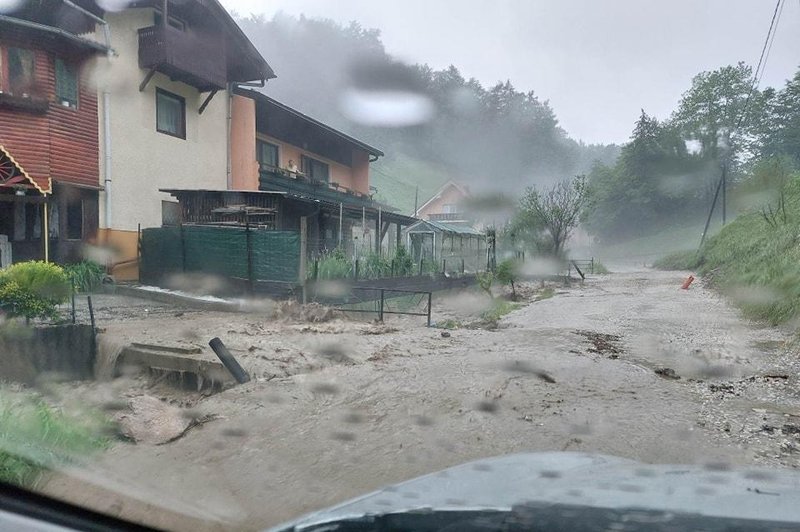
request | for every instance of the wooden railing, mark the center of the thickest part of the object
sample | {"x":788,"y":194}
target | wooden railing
{"x":198,"y":60}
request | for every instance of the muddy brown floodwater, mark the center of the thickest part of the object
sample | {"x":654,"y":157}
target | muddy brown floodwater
{"x":625,"y":364}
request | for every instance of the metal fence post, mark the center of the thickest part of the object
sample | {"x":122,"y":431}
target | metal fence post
{"x":462,"y":265}
{"x":444,"y":265}
{"x":592,"y":266}
{"x":392,"y":269}
{"x":249,"y":247}
{"x":420,"y":266}
{"x":91,"y":314}
{"x":429,"y":308}
{"x":316,"y":269}
{"x":73,"y":301}
{"x":355,"y":271}
{"x":380,"y":312}
{"x":183,"y":249}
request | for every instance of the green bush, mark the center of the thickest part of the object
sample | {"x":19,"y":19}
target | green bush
{"x":485,"y":281}
{"x":374,"y":266}
{"x":34,"y":436}
{"x":87,"y":276}
{"x":403,"y":265}
{"x":334,"y":265}
{"x":33,"y":289}
{"x":507,"y":273}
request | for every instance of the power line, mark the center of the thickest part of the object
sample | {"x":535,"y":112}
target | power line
{"x":761,"y":61}
{"x":757,"y":75}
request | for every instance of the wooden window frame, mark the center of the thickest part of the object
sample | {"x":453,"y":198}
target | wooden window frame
{"x":259,"y":142}
{"x":5,"y":73}
{"x":306,"y":167}
{"x":75,"y":69}
{"x":182,"y":101}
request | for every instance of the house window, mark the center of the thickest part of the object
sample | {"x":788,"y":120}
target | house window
{"x":449,"y":208}
{"x":20,"y":71}
{"x":267,"y":154}
{"x":314,"y":169}
{"x":170,"y":114}
{"x":66,"y":84}
{"x":74,"y":219}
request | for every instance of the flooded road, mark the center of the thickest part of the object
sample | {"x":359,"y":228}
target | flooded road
{"x":625,"y":364}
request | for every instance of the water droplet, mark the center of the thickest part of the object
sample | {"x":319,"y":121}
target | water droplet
{"x":113,"y":5}
{"x":489,"y":407}
{"x":343,"y":436}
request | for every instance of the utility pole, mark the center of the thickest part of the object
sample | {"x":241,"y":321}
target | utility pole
{"x":416,"y":200}
{"x":724,"y":192}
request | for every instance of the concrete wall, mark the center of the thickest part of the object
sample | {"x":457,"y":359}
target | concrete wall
{"x":144,"y":160}
{"x":68,"y":350}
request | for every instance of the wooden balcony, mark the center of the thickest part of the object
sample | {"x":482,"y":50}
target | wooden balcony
{"x":195,"y":59}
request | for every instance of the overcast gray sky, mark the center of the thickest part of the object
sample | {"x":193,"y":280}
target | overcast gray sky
{"x":598,"y":62}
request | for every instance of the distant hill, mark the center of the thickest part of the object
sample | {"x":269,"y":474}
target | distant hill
{"x":493,"y":138}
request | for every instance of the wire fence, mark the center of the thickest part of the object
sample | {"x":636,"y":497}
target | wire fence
{"x":387,"y":301}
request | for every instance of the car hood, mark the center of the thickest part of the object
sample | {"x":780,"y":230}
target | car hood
{"x":581,"y":479}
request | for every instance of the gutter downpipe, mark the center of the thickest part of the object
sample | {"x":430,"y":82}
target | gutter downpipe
{"x":107,"y":157}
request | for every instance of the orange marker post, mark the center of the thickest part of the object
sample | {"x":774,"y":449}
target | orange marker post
{"x":687,"y":282}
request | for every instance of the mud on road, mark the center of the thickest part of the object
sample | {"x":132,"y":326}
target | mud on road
{"x":340,"y":408}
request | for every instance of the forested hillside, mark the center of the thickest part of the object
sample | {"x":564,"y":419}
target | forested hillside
{"x":494,"y":138}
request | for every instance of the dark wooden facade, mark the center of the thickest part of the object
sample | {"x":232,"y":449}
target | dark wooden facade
{"x":54,"y":144}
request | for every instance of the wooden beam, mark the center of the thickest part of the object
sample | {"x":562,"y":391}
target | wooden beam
{"x":207,"y":101}
{"x":147,"y":79}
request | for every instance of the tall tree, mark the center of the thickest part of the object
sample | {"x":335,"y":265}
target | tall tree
{"x":781,"y":129}
{"x":710,"y":111}
{"x":556,"y":210}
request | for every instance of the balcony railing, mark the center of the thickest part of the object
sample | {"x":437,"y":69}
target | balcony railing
{"x":197,"y":60}
{"x":448,"y":217}
{"x":272,"y":178}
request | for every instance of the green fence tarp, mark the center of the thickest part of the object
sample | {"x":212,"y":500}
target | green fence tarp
{"x":161,"y":253}
{"x":222,"y":251}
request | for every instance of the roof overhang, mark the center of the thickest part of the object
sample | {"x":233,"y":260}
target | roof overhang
{"x":264,"y":103}
{"x":58,"y":35}
{"x":13,"y":175}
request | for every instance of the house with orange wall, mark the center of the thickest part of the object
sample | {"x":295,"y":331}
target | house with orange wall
{"x":276,"y":148}
{"x":447,"y":205}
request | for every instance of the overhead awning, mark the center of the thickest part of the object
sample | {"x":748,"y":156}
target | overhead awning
{"x":13,"y":175}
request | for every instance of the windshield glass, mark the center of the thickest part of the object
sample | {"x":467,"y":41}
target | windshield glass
{"x":258,"y":259}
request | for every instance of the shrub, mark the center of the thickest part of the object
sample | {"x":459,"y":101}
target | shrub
{"x":485,"y":281}
{"x":334,"y":265}
{"x":33,"y":289}
{"x":87,"y":276}
{"x":403,"y":265}
{"x":508,"y":273}
{"x":374,"y":266}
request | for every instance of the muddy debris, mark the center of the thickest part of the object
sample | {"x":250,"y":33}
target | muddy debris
{"x":378,"y":329}
{"x":667,"y":373}
{"x":311,"y":312}
{"x":603,"y":344}
{"x":152,"y":421}
{"x":445,"y":334}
